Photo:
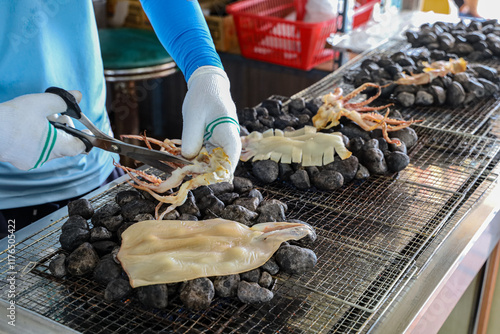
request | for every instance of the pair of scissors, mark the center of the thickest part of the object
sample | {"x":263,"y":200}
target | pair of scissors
{"x":101,"y":140}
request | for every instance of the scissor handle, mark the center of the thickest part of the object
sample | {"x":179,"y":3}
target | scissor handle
{"x":76,"y":133}
{"x":73,"y":108}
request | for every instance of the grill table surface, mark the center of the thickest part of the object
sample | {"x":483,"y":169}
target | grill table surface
{"x":389,"y":249}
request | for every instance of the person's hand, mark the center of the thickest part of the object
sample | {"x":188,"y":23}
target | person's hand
{"x":209,"y":114}
{"x":27,"y":139}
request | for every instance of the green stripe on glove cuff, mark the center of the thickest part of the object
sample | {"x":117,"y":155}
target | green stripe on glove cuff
{"x":50,"y":141}
{"x":211,"y":126}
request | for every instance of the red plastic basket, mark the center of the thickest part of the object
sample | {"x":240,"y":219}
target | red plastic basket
{"x":265,"y":34}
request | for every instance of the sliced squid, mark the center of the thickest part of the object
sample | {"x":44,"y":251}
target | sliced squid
{"x":157,"y":252}
{"x":206,"y":169}
{"x":306,"y":146}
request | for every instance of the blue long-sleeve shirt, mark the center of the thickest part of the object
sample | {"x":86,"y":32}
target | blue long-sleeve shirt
{"x":47,"y":43}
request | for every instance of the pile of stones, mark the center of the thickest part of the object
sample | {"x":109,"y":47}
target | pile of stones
{"x":90,"y":240}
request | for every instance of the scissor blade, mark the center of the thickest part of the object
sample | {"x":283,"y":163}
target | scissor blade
{"x":137,"y":152}
{"x":153,"y":163}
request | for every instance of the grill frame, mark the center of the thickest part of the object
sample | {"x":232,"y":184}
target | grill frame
{"x":449,"y":172}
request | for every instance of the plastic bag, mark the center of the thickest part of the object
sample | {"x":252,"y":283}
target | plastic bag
{"x":321,"y":10}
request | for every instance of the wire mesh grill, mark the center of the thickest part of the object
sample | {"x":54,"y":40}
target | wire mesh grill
{"x":373,"y":235}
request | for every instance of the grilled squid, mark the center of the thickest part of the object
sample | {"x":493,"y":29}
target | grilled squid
{"x":306,"y":146}
{"x":157,"y":252}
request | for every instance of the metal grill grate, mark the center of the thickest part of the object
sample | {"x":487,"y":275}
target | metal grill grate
{"x":373,"y":235}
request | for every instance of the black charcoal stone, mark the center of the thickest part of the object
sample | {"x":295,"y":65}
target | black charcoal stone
{"x":406,"y":99}
{"x":82,"y":260}
{"x":257,"y":194}
{"x":274,"y":107}
{"x":106,"y":271}
{"x":211,"y":203}
{"x":71,"y":238}
{"x":253,"y":293}
{"x":189,"y":207}
{"x":197,"y":294}
{"x":155,"y":296}
{"x":108,"y":210}
{"x":406,"y":135}
{"x":303,"y":120}
{"x":351,"y":130}
{"x":328,"y":180}
{"x":261,"y":111}
{"x":462,"y":49}
{"x":239,"y":214}
{"x":242,"y":184}
{"x":114,"y":254}
{"x":362,"y":173}
{"x":347,"y":167}
{"x":311,"y":171}
{"x":251,"y":276}
{"x":202,"y":191}
{"x":255,"y":126}
{"x":117,"y":289}
{"x":382,"y":145}
{"x":396,"y":161}
{"x":247,"y":115}
{"x":228,"y":198}
{"x":296,"y":105}
{"x":396,"y":148}
{"x":372,"y":143}
{"x":104,"y":247}
{"x":455,"y":94}
{"x":294,"y":259}
{"x":439,"y":94}
{"x":274,"y":201}
{"x":271,"y":213}
{"x":251,"y":203}
{"x":135,"y":207}
{"x":475,"y":87}
{"x":186,"y":216}
{"x":221,"y":187}
{"x":57,"y":266}
{"x":373,"y":159}
{"x":285,"y":121}
{"x":265,"y":280}
{"x":486,"y":72}
{"x":123,"y":197}
{"x":314,"y":104}
{"x":285,"y":171}
{"x":100,"y":233}
{"x":112,"y":223}
{"x":424,"y":98}
{"x":81,"y":207}
{"x":489,"y":86}
{"x":406,"y":88}
{"x":226,"y":286}
{"x":355,"y":144}
{"x":271,"y":267}
{"x":300,"y":179}
{"x":265,"y":170}
{"x":142,"y":217}
{"x":75,"y":222}
{"x":267,"y":121}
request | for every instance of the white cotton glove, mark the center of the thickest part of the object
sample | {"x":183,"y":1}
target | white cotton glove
{"x":27,"y":139}
{"x":209,"y":115}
